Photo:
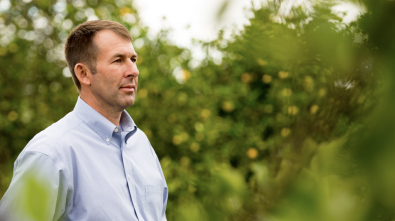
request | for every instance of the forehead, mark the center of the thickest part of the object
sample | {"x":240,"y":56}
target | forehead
{"x":109,"y":42}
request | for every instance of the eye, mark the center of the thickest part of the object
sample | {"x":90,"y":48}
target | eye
{"x":134,"y":60}
{"x":118,"y":61}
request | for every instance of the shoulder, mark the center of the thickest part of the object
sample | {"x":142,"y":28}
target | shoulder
{"x":141,"y":134}
{"x":45,"y":151}
{"x":56,"y":134}
{"x":140,"y":140}
{"x":142,"y":137}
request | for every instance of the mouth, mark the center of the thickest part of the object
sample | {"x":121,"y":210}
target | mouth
{"x":128,"y":88}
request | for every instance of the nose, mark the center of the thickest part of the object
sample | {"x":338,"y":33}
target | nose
{"x":131,"y":70}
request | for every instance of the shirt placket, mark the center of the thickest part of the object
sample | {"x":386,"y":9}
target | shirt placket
{"x":129,"y":175}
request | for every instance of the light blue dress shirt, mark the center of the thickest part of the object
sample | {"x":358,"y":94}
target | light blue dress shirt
{"x":91,"y":170}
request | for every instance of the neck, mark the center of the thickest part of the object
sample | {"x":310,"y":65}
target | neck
{"x":114,"y":116}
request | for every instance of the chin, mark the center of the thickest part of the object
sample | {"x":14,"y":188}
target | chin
{"x":128,"y":103}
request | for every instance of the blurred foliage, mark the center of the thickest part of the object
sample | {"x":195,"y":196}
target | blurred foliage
{"x":289,"y":120}
{"x":35,"y":199}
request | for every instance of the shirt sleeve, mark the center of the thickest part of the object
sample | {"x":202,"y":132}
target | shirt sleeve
{"x":38,"y":190}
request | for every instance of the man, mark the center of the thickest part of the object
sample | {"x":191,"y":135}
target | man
{"x":93,"y":164}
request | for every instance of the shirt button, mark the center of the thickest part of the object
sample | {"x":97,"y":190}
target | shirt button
{"x":129,"y":178}
{"x":107,"y":139}
{"x":116,"y":130}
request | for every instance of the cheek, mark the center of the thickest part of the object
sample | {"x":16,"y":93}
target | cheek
{"x":110,"y":79}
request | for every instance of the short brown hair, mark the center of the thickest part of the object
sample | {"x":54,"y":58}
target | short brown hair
{"x":80,"y":47}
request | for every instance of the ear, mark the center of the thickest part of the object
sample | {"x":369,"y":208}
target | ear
{"x":83,"y":74}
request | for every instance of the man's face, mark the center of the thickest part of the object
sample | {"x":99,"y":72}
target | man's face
{"x":114,"y":85}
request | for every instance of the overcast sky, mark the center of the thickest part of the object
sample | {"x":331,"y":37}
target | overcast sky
{"x":190,"y":18}
{"x":197,"y":18}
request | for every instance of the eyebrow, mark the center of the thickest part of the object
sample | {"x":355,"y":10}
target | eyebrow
{"x":134,"y":55}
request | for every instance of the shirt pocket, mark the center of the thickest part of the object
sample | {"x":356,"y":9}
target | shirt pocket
{"x":153,"y":204}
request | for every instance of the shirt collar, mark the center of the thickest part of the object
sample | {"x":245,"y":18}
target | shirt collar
{"x":127,"y":122}
{"x":103,"y":127}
